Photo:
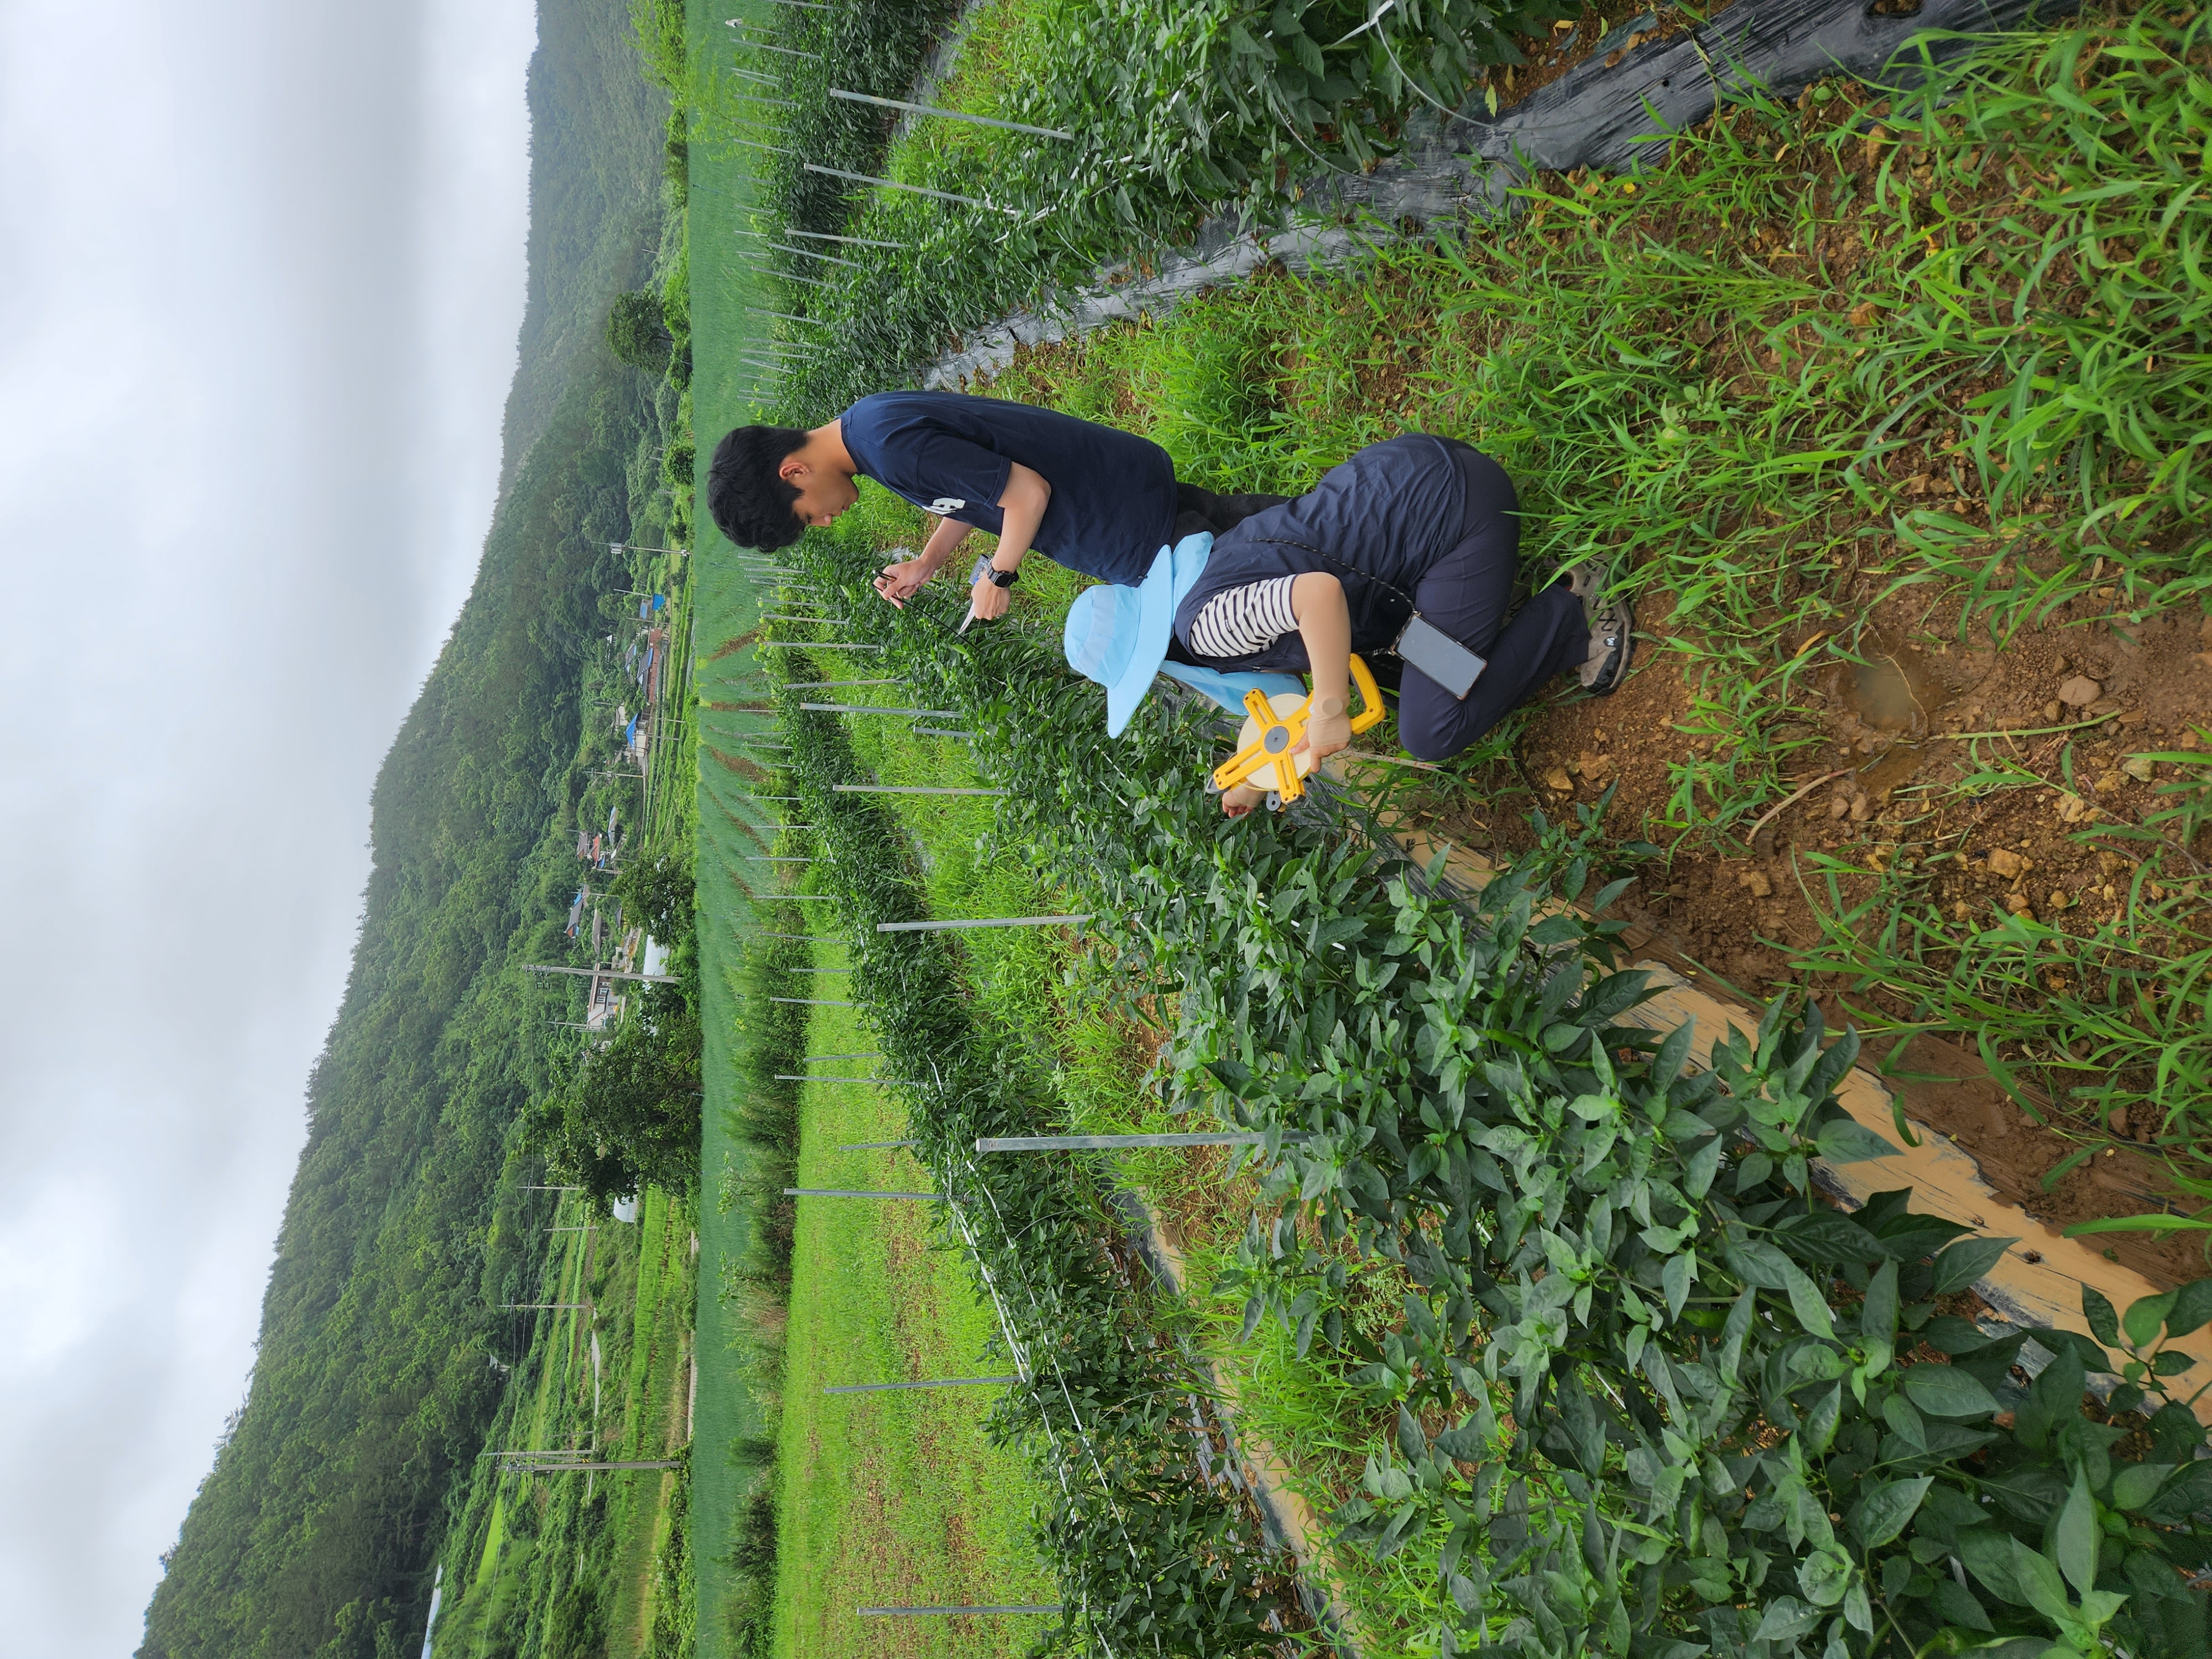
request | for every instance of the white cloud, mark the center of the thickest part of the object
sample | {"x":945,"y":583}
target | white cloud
{"x":262,"y":269}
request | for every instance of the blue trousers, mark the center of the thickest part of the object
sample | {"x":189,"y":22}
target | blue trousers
{"x":1468,"y":592}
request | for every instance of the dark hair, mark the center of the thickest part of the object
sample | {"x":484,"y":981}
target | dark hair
{"x":750,"y":504}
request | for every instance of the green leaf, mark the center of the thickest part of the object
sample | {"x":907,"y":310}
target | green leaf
{"x":1821,"y":1421}
{"x":1757,"y":1262}
{"x":1947,"y":1391}
{"x":2075,"y":1537}
{"x":2192,"y":1308}
{"x":2171,"y":1362}
{"x":2133,"y":1484}
{"x":1825,"y":1575}
{"x":1703,"y":1164}
{"x":1848,"y":1141}
{"x":1957,"y":1604}
{"x":1878,"y":1313}
{"x":2153,"y":1223}
{"x":1882,"y":1513}
{"x":2101,"y":1314}
{"x":1555,"y":930}
{"x":2039,"y":1583}
{"x":1786,"y":1617}
{"x":1811,"y":1307}
{"x":1964,"y":1262}
{"x":1988,"y":1554}
{"x":1826,"y":1237}
{"x":1897,"y":1411}
{"x":2145,"y":1318}
{"x":1676,"y":1277}
{"x":1411,"y":1440}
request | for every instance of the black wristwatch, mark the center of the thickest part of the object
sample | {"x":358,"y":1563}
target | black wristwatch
{"x":986,"y":571}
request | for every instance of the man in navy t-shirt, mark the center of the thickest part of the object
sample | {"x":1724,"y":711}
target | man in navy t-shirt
{"x":1092,"y":498}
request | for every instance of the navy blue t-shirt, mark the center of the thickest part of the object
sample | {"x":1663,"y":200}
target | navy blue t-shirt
{"x":1376,"y":522}
{"x":1113,"y":505}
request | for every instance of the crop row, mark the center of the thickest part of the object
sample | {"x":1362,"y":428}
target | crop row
{"x":1651,"y":1392}
{"x":1151,"y":1557}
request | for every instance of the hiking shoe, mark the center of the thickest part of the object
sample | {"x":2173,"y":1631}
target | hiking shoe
{"x":1583,"y":581}
{"x":1612,"y":642}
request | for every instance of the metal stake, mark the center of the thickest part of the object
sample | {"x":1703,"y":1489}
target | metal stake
{"x":905,"y":789}
{"x":949,"y":114}
{"x":844,"y":1192}
{"x":915,"y":189}
{"x":1102,"y":1143}
{"x":1006,"y":921}
{"x":941,"y":1383}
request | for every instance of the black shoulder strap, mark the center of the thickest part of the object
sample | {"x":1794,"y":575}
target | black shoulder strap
{"x":1320,"y":553}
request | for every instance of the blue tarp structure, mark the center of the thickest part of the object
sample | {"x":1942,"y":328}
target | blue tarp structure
{"x":647,"y":607}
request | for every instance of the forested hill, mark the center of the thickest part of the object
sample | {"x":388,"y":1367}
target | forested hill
{"x":375,"y":1374}
{"x":597,"y":129}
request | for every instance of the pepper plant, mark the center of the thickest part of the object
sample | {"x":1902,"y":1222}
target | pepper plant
{"x":1653,"y":1393}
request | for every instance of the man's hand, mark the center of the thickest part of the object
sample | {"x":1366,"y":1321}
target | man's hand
{"x":1326,"y":734}
{"x":1241,"y":799}
{"x":900,"y":581}
{"x":989,"y":599}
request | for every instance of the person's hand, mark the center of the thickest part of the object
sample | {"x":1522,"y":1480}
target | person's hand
{"x":1325,"y":735}
{"x":1241,"y":800}
{"x":989,"y":599}
{"x":900,"y":581}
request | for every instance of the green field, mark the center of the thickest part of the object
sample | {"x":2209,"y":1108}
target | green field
{"x":896,"y":1498}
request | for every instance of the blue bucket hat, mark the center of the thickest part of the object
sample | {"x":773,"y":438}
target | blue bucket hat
{"x":1118,"y":636}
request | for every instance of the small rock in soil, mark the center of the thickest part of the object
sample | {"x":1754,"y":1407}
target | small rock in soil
{"x":2003,"y":862}
{"x":2050,"y":710}
{"x":2080,"y":691}
{"x":2019,"y":904}
{"x":1556,"y":781}
{"x":1757,"y":882}
{"x":2072,"y":808}
{"x":1861,"y":808}
{"x":2138,"y":767}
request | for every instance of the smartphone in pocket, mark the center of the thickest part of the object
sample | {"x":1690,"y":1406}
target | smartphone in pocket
{"x":1441,"y":658}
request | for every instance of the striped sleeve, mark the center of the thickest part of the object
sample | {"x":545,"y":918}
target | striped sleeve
{"x":1241,"y":622}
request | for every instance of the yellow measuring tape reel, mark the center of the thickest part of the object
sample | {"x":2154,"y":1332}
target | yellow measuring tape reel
{"x":1275,"y":727}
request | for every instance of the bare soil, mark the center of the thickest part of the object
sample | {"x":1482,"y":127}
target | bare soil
{"x":1891,"y":732}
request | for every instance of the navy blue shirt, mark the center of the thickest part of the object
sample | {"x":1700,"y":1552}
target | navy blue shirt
{"x":1112,"y":504}
{"x":1376,"y":522}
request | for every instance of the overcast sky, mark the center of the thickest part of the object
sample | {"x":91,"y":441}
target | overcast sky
{"x":261,"y":272}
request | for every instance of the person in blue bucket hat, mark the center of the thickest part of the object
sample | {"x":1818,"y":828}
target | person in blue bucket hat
{"x":1415,"y":532}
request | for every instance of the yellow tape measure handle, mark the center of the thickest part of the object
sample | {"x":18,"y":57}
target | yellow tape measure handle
{"x":1269,"y":750}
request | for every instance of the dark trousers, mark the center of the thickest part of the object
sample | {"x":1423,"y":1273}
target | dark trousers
{"x":1467,"y":593}
{"x":1200,"y":509}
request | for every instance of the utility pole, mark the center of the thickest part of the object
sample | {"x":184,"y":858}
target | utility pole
{"x":596,"y":973}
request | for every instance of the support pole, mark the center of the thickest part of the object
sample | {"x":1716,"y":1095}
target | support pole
{"x":899,"y":1082}
{"x":907,"y":1612}
{"x":871,"y":708}
{"x":563,"y":1468}
{"x":1105,"y":1143}
{"x":905,"y":789}
{"x":843,"y":1191}
{"x":594,"y":973}
{"x":949,"y":114}
{"x":915,"y":189}
{"x":942,"y":1383}
{"x":980,"y":921}
{"x":852,"y":241}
